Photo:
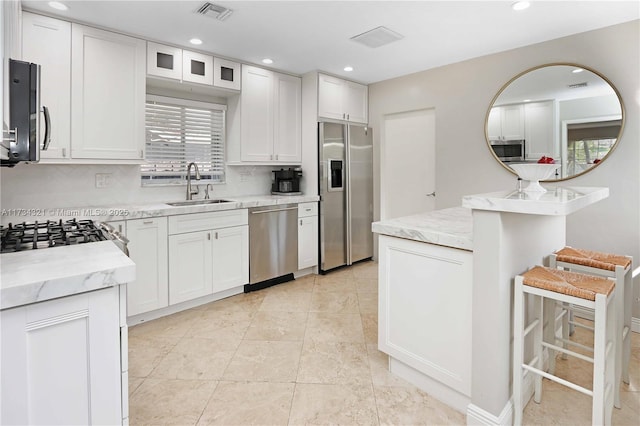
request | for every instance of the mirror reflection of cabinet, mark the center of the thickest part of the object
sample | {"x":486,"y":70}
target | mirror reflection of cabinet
{"x":556,"y":100}
{"x":506,"y":123}
{"x":541,"y":139}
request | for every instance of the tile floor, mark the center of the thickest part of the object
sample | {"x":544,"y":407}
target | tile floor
{"x":303,"y":352}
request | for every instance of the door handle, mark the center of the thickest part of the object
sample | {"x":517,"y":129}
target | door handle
{"x":432,"y":194}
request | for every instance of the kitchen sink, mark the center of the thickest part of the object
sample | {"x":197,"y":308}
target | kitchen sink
{"x":197,"y":202}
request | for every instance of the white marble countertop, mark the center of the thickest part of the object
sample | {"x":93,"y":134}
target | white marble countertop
{"x":559,"y":201}
{"x":38,"y":275}
{"x":154,"y":209}
{"x":451,"y":227}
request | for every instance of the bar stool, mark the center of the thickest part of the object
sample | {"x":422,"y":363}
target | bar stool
{"x":611,"y":266}
{"x":583,"y":290}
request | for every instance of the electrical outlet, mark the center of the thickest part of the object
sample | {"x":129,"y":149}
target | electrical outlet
{"x":103,"y":180}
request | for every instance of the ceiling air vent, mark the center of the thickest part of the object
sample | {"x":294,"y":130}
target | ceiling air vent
{"x":377,"y":37}
{"x":215,"y":11}
{"x":576,"y":85}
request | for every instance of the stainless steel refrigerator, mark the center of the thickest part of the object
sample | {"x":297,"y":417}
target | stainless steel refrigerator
{"x":346,"y":193}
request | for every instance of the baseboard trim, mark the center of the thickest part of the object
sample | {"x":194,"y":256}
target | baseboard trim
{"x":478,"y":416}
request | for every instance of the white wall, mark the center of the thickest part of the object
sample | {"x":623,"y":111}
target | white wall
{"x":461,"y":94}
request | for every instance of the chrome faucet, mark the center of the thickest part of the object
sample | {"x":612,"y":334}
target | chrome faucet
{"x":189,"y":191}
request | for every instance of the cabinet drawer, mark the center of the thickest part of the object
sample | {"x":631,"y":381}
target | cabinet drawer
{"x":204,"y":221}
{"x":307,"y":209}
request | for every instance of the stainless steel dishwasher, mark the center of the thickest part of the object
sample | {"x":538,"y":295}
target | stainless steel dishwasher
{"x":273,"y":245}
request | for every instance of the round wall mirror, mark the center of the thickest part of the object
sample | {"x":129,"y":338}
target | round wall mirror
{"x":563,"y":113}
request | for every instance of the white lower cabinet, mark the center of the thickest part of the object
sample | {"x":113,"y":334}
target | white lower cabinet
{"x":425,"y":311}
{"x":61,"y":361}
{"x":148,"y":249}
{"x":230,"y":258}
{"x":208,"y":253}
{"x":307,"y":235}
{"x":190,"y":268}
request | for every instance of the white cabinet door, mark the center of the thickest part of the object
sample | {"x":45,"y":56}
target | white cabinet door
{"x":107,"y":94}
{"x":307,"y":242}
{"x":148,"y":249}
{"x":494,"y":124}
{"x":226,"y":74}
{"x":540,"y":138}
{"x":164,"y":61}
{"x":429,"y":285}
{"x":61,"y":361}
{"x":356,"y":102}
{"x":506,"y":122}
{"x":190,"y":268}
{"x":47,"y":42}
{"x":230,"y":257}
{"x":330,"y":94}
{"x":197,"y":68}
{"x":256,"y":114}
{"x":512,"y":122}
{"x":342,"y":100}
{"x":288,"y":111}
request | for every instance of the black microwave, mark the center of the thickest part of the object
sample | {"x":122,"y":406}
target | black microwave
{"x":509,"y":150}
{"x":24,"y":114}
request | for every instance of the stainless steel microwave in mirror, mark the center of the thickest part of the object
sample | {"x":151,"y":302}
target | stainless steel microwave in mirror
{"x":565,"y":111}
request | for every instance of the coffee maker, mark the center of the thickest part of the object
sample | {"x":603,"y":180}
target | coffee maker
{"x":286,"y":182}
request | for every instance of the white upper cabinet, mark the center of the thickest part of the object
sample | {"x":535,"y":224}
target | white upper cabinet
{"x":540,"y":138}
{"x":197,"y":68}
{"x":270,"y":117}
{"x":226,"y":74}
{"x":193,"y":67}
{"x":506,"y":123}
{"x":107,"y":94}
{"x":342,"y":100}
{"x":164,"y":61}
{"x":287,"y":121}
{"x":47,"y":42}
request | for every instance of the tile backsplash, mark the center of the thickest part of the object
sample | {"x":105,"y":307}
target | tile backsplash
{"x":32,"y":186}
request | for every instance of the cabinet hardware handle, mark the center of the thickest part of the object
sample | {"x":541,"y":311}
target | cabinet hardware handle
{"x":64,"y":152}
{"x":347,"y":116}
{"x":119,"y":228}
{"x":433,"y":194}
{"x":147,"y":222}
{"x":344,"y":115}
{"x":300,"y":222}
{"x":209,"y":236}
{"x":142,"y":153}
{"x":216,"y":235}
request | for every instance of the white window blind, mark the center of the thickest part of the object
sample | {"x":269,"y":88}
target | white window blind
{"x":179,"y":132}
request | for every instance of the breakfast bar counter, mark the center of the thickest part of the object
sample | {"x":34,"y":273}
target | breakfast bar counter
{"x":445,"y":291}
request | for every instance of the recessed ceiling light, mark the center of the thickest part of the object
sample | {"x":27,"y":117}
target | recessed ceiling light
{"x":348,"y":69}
{"x":577,"y":70}
{"x":195,"y":41}
{"x":57,"y":5}
{"x":267,"y":61}
{"x":520,"y":5}
{"x":527,"y":100}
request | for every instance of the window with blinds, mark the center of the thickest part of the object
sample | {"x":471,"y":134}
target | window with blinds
{"x":179,"y":132}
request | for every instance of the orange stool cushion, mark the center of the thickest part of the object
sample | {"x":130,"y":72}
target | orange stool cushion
{"x":570,"y":283}
{"x":593,"y":259}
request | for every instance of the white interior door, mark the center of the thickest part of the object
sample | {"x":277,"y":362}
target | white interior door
{"x":408,"y":163}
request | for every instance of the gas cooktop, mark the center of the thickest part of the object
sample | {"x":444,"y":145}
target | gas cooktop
{"x":50,"y":233}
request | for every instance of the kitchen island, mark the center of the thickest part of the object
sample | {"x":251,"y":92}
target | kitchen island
{"x":64,"y":335}
{"x":445,"y":291}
